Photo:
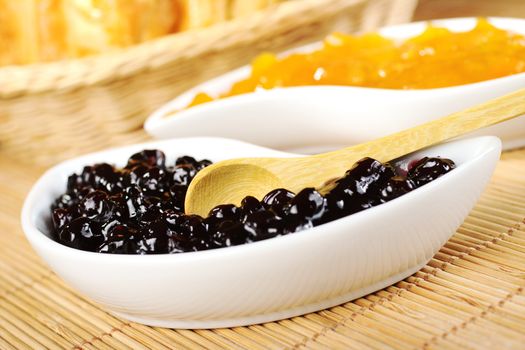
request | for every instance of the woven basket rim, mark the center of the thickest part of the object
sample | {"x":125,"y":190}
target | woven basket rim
{"x":102,"y":68}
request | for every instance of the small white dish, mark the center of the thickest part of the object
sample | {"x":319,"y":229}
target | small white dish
{"x":319,"y":118}
{"x":272,"y":279}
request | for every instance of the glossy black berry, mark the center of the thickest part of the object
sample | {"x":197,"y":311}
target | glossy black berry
{"x":171,"y":216}
{"x":186,"y":160}
{"x":109,"y":225}
{"x":151,"y":215}
{"x":121,"y":240}
{"x":192,"y":233}
{"x":229,"y":233}
{"x":152,"y":181}
{"x":307,"y":204}
{"x":135,"y":202}
{"x":225,"y":212}
{"x":82,"y":233}
{"x":105,"y":178}
{"x":64,"y":201}
{"x":250,"y":205}
{"x":359,"y":189}
{"x":202,"y":164}
{"x":155,"y":238}
{"x":133,"y":176}
{"x":396,"y":187}
{"x":183,"y":174}
{"x":366,"y":176}
{"x":61,"y":217}
{"x":118,"y":207}
{"x":93,"y":205}
{"x":149,"y":158}
{"x":178,"y":196}
{"x":429,"y":169}
{"x":263,"y":225}
{"x":277,"y":200}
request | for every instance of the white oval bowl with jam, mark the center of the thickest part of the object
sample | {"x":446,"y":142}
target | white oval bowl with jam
{"x":311,"y":119}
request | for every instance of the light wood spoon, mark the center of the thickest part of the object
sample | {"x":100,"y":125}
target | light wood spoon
{"x":231,"y":180}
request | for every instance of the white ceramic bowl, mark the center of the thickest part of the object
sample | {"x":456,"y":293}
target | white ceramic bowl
{"x":319,"y":118}
{"x":267,"y":280}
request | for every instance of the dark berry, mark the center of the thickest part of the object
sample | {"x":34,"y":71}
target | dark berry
{"x":156,"y":238}
{"x":307,"y":204}
{"x":186,"y":160}
{"x":171,"y":217}
{"x":192,"y":233}
{"x":263,"y":225}
{"x":64,"y":201}
{"x":366,"y":176}
{"x":229,"y":233}
{"x":225,"y":212}
{"x":429,"y":169}
{"x":359,"y":189}
{"x":82,"y":233}
{"x":93,"y":205}
{"x":118,"y":207}
{"x":82,"y":192}
{"x":396,"y":187}
{"x":149,"y":158}
{"x":202,"y":164}
{"x":121,"y":240}
{"x":133,"y":176}
{"x":152,"y":181}
{"x":178,"y":196}
{"x":105,"y":178}
{"x":250,"y":205}
{"x":108,"y":226}
{"x":277,"y":199}
{"x":74,"y":182}
{"x":61,"y":217}
{"x":151,"y":214}
{"x":335,"y":208}
{"x":182,"y":174}
{"x":87,"y":177}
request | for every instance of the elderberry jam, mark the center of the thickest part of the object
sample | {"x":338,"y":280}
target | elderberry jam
{"x":139,"y":209}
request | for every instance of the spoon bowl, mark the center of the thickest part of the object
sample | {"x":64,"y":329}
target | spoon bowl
{"x":260,"y":182}
{"x":272,"y":279}
{"x":313,"y":119}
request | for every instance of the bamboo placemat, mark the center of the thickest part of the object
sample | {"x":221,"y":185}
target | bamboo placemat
{"x":470,"y":295}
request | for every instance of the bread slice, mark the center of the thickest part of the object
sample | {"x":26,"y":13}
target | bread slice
{"x":18,"y":28}
{"x":7,"y":35}
{"x":96,"y":26}
{"x":51,"y":30}
{"x":31,"y":31}
{"x":203,"y":13}
{"x":154,"y":18}
{"x":239,"y":8}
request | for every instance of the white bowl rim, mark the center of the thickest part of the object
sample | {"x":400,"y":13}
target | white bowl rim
{"x":40,"y":238}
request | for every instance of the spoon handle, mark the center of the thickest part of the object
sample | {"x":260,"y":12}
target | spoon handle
{"x":428,"y":134}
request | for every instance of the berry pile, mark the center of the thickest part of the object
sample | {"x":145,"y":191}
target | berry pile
{"x":139,"y":209}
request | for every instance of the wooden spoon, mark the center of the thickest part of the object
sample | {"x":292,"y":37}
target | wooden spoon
{"x":231,"y":180}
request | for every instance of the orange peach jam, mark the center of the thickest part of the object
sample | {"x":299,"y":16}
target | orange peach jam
{"x":435,"y":58}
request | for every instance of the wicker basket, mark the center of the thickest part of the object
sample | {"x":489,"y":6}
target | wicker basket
{"x":49,"y":112}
